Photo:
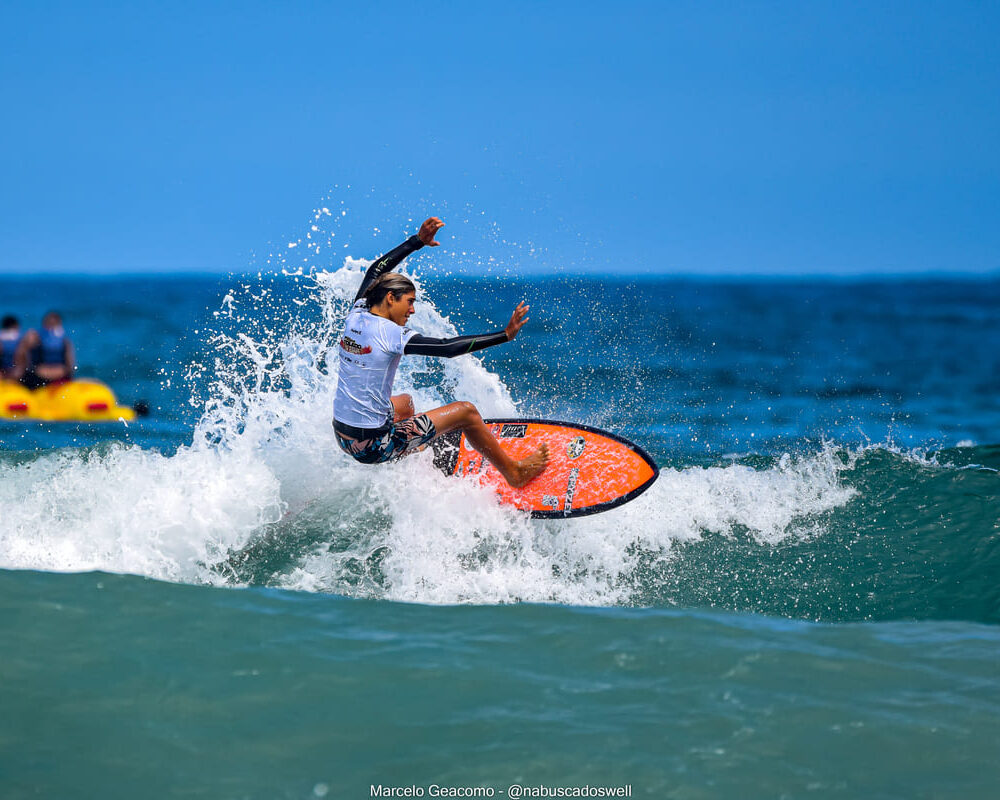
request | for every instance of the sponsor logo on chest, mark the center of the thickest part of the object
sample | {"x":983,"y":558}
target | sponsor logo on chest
{"x":351,"y":346}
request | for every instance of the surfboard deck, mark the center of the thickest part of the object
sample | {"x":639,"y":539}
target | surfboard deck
{"x":589,"y":470}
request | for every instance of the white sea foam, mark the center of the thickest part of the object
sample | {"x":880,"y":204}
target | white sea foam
{"x":263,"y":470}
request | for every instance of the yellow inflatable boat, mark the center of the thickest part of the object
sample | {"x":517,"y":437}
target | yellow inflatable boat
{"x":81,"y":400}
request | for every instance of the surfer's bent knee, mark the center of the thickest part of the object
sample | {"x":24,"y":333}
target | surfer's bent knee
{"x":469,"y":412}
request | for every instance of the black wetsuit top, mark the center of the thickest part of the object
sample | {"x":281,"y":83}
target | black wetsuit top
{"x":420,"y":345}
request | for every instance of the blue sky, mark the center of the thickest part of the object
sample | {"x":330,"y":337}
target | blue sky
{"x":705,"y":138}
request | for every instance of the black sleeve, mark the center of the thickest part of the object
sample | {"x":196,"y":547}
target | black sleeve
{"x":388,"y":262}
{"x":449,"y":348}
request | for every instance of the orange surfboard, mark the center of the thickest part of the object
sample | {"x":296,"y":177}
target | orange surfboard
{"x":589,"y":470}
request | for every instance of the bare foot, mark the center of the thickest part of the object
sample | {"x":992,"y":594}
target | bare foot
{"x":530,"y":467}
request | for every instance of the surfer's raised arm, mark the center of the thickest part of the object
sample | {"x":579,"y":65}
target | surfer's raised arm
{"x":420,"y":345}
{"x":392,"y":259}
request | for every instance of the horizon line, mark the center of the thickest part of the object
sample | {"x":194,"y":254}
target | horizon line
{"x":780,"y":276}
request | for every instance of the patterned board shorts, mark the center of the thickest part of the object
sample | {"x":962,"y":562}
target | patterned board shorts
{"x":404,"y":437}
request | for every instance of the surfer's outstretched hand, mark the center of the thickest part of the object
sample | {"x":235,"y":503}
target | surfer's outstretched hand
{"x":517,"y":320}
{"x":428,"y":230}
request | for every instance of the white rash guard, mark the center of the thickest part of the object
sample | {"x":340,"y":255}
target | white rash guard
{"x":370,"y":349}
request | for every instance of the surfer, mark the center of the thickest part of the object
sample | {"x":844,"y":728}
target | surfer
{"x":373,"y":426}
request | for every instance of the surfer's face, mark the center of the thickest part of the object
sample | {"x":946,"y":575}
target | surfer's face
{"x":399,"y":311}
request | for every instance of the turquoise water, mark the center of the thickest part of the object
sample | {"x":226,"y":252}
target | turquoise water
{"x":213,"y":603}
{"x":131,"y":687}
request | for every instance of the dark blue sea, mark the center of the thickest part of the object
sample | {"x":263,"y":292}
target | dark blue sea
{"x":215,"y":602}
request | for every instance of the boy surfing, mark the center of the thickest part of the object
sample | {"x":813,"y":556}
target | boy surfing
{"x":371,"y":424}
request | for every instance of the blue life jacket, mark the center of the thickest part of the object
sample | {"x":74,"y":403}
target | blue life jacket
{"x":51,"y":348}
{"x":8,"y":346}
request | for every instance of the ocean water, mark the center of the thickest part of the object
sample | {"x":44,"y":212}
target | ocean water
{"x":215,"y":602}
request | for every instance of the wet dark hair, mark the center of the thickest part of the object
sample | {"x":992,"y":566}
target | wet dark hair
{"x":10,"y":321}
{"x":390,"y":283}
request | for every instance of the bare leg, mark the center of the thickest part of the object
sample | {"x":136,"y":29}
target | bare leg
{"x":465,"y":417}
{"x":402,"y":406}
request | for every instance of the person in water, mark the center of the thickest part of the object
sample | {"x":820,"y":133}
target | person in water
{"x":10,"y":338}
{"x":45,"y":356}
{"x":374,"y":426}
